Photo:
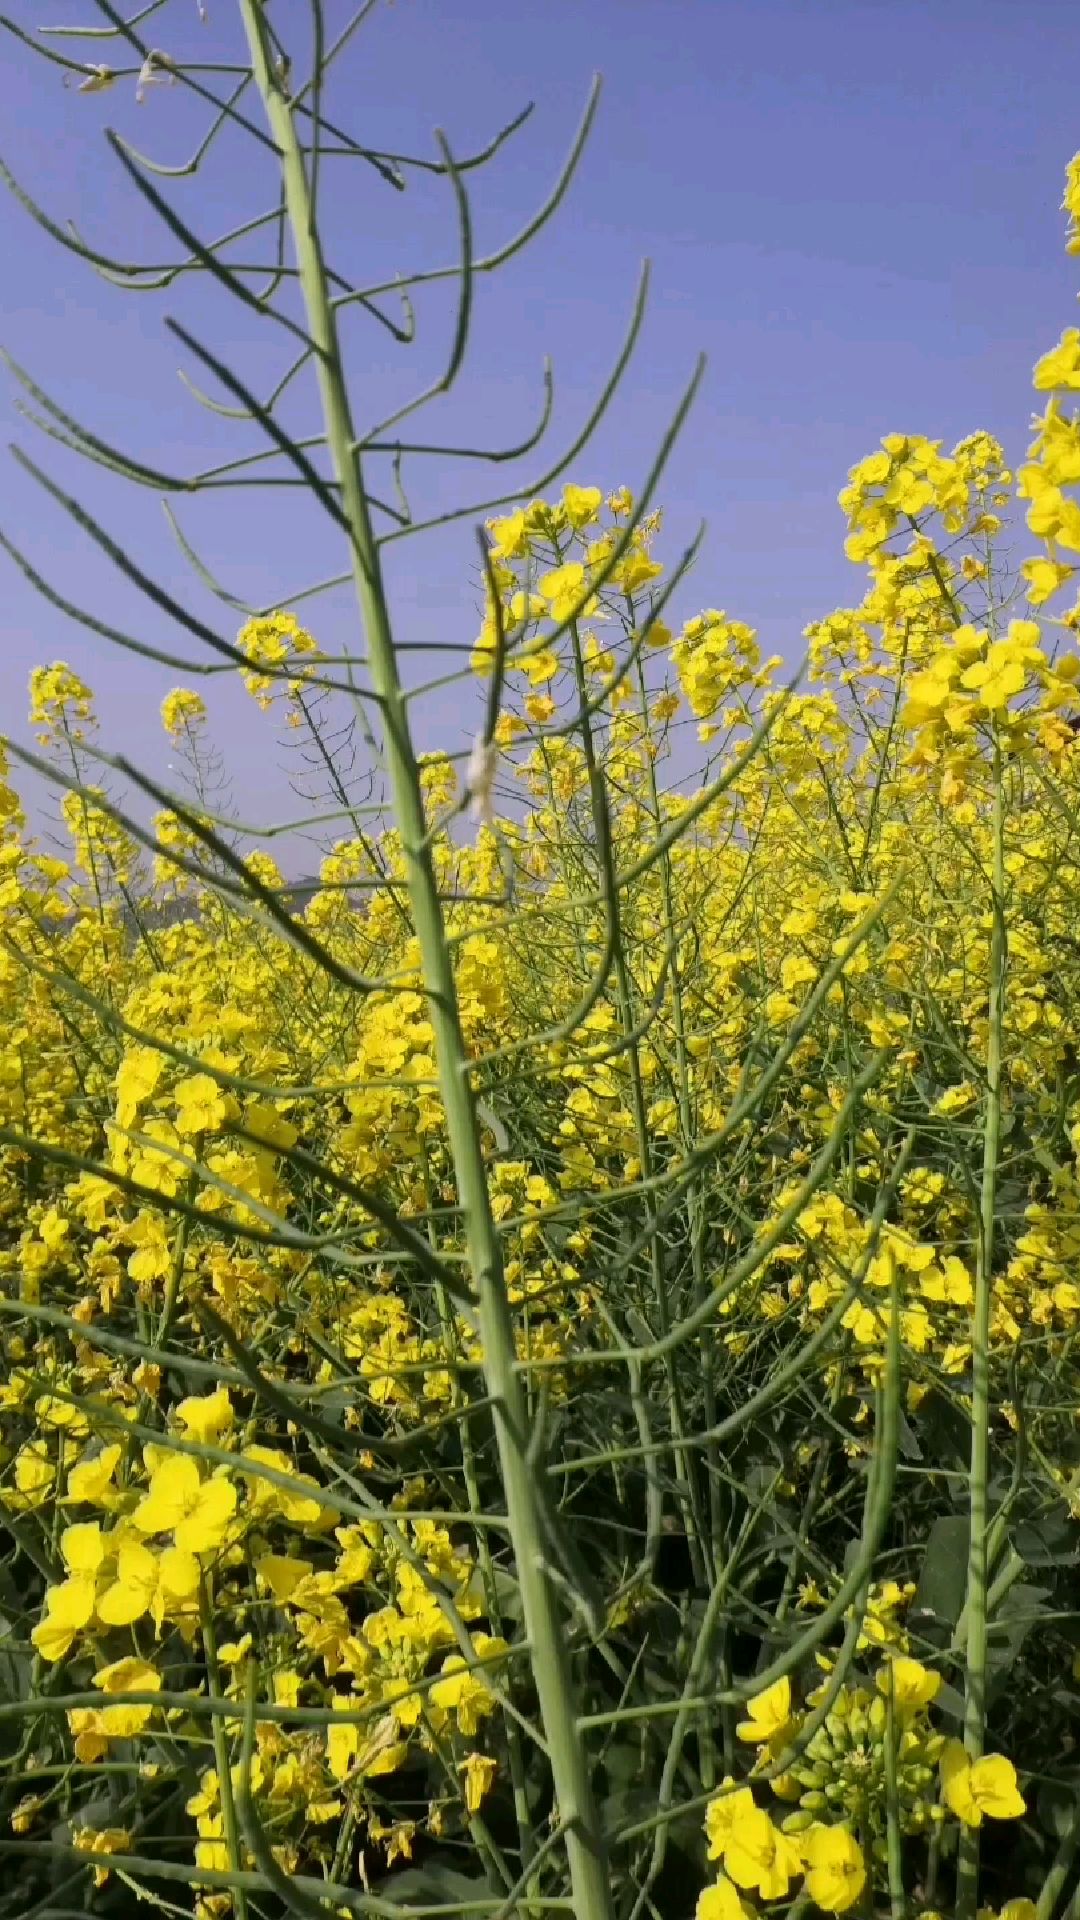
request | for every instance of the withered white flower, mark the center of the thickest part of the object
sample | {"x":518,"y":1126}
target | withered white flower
{"x":156,"y":71}
{"x":97,"y":80}
{"x":480,"y":778}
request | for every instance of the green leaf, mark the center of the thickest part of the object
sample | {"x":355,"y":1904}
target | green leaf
{"x":951,"y":1703}
{"x":1020,"y":1611}
{"x":436,"y":1883}
{"x":943,"y":1580}
{"x":1048,"y":1540}
{"x":1056,"y":1807}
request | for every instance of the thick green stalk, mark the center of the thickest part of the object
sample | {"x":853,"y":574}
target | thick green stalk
{"x":894,"y":1838}
{"x":229,"y":1826}
{"x":967,"y":1881}
{"x":584,"y":1847}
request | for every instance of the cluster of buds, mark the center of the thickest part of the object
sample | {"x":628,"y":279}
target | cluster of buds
{"x":843,"y":1772}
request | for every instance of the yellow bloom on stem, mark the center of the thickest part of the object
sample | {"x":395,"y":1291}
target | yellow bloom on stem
{"x":133,"y":1590}
{"x":770,"y":1715}
{"x":207,"y":1416}
{"x":978,"y":1789}
{"x":721,"y":1901}
{"x":130,"y":1675}
{"x":137,"y":1076}
{"x":102,"y":1841}
{"x":462,"y":1693}
{"x":34,"y":1476}
{"x":1044,"y":579}
{"x":479,"y":1770}
{"x":90,"y":1481}
{"x":196,"y":1512}
{"x":731,"y":1804}
{"x":951,"y":1283}
{"x":182,"y":709}
{"x":509,"y":537}
{"x":582,"y":504}
{"x":995,"y":681}
{"x":342,"y":1742}
{"x":82,"y":1547}
{"x":563,"y":588}
{"x":178,"y":1576}
{"x":835,"y":1868}
{"x":118,"y":1722}
{"x":202,"y":1106}
{"x":635,"y":571}
{"x":912,"y":1685}
{"x":1061,"y":366}
{"x":759,"y":1857}
{"x":70,"y":1606}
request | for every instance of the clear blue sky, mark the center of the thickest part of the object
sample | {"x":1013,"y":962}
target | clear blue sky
{"x":850,"y":205}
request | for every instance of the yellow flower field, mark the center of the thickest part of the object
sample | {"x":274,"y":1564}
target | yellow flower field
{"x":542,"y":1372}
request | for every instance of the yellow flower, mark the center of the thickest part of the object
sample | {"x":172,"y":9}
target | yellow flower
{"x":563,"y":588}
{"x":509,"y":537}
{"x":26,"y":1812}
{"x":582,"y":504}
{"x":835,"y":1868}
{"x":464,"y":1692}
{"x":951,"y":1283}
{"x":201,"y":1105}
{"x":197,"y":1512}
{"x":102,"y":1841}
{"x":182,"y":709}
{"x":303,"y":1509}
{"x":770,"y":1715}
{"x":205,"y":1418}
{"x":722,"y":1814}
{"x":350,"y":1749}
{"x":759,"y":1857}
{"x":479,"y":1771}
{"x":995,"y":681}
{"x":211,"y":1851}
{"x":68,"y":1608}
{"x":90,"y":1481}
{"x":268,"y":1125}
{"x":178,"y":1575}
{"x":1045,"y":578}
{"x":137,"y":1076}
{"x":721,"y":1901}
{"x":152,"y":1258}
{"x":635,"y":571}
{"x":974,"y":1789}
{"x":1061,"y":366}
{"x":912,"y":1685}
{"x":133,"y":1590}
{"x":34,"y":1476}
{"x":342,"y":1742}
{"x":130,"y":1675}
{"x":282,"y":1574}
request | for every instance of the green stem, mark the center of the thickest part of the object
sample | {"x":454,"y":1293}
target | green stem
{"x":585,"y":1851}
{"x":967,"y":1883}
{"x":230,"y":1829}
{"x":1061,"y":1866}
{"x":894,"y":1838}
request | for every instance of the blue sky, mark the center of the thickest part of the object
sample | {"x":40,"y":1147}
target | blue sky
{"x":852,"y":206}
